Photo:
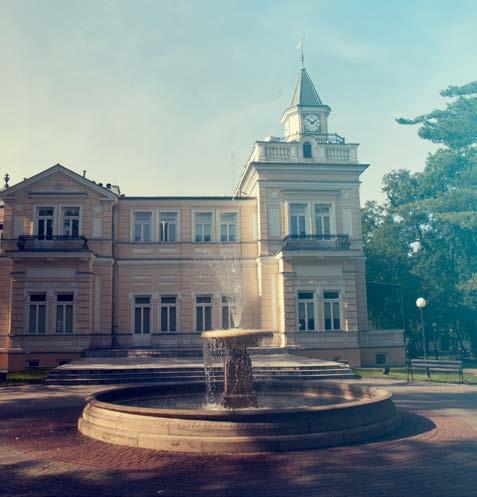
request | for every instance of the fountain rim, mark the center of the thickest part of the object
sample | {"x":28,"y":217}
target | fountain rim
{"x":376,"y":395}
{"x":236,"y":333}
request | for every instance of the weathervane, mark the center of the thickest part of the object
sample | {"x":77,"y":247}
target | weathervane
{"x":300,"y":47}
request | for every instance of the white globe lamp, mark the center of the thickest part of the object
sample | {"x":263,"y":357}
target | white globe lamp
{"x":421,"y":303}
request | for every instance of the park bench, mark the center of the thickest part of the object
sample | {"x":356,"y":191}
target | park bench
{"x":429,"y":365}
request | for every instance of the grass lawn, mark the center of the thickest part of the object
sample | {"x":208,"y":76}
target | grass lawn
{"x":26,"y":376}
{"x":401,"y":374}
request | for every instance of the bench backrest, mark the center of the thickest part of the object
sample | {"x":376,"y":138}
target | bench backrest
{"x":431,"y":363}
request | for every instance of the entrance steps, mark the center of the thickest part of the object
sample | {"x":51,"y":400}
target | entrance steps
{"x":171,"y":351}
{"x":123,"y":370}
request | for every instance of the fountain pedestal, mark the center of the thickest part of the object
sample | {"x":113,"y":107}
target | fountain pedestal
{"x":238,"y":374}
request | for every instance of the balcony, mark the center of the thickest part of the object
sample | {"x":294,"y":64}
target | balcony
{"x":55,"y":243}
{"x":316,"y":242}
{"x":329,"y":149}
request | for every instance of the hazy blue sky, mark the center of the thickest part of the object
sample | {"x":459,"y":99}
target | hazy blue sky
{"x":168,"y":97}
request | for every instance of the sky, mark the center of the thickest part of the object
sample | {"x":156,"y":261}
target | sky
{"x":168,"y":97}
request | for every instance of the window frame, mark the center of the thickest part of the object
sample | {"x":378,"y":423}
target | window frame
{"x":227,"y":224}
{"x":332,"y":229}
{"x":37,"y":218}
{"x":306,"y":302}
{"x":203,"y":305}
{"x":291,"y":216}
{"x":61,"y":208}
{"x":64,"y":305}
{"x":226,"y":304}
{"x":309,"y":148}
{"x":195,"y":212}
{"x":168,"y":306}
{"x":30,"y":303}
{"x":177,"y":224}
{"x":141,"y":306}
{"x":133,"y":225}
{"x":331,"y":301}
{"x":386,"y":356}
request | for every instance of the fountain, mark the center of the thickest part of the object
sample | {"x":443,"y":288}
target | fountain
{"x":260,"y":416}
{"x":238,"y":414}
{"x":238,"y":389}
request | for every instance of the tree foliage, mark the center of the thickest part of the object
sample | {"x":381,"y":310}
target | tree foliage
{"x":424,"y":236}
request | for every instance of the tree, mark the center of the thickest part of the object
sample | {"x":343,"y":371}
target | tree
{"x":424,"y":236}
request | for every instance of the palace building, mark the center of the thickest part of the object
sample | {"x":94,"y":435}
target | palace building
{"x":84,"y":267}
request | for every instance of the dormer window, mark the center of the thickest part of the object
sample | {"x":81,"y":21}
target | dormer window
{"x":307,"y":150}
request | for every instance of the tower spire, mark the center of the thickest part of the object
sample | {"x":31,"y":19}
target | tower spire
{"x":302,"y":56}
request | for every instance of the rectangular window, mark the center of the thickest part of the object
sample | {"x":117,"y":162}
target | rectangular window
{"x":64,"y":313}
{"x":142,"y":315}
{"x":44,"y":222}
{"x":331,"y":310}
{"x":322,"y":219}
{"x":37,"y":313}
{"x":203,"y":227}
{"x":33,"y":364}
{"x":168,"y":313}
{"x":382,"y":359}
{"x":228,"y":227}
{"x":71,"y":217}
{"x":298,"y":219}
{"x":306,"y":311}
{"x":227,"y":316}
{"x":142,"y":227}
{"x":167,"y":226}
{"x":203,"y":312}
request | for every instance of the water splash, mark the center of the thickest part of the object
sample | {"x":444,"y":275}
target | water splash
{"x":230,"y":278}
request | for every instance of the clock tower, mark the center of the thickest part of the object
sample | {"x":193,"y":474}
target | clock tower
{"x":307,"y":115}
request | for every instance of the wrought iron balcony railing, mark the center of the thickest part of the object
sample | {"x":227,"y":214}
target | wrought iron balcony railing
{"x":54,"y":243}
{"x":316,"y":242}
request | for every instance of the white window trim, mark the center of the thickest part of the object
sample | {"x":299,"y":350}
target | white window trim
{"x":175,"y":210}
{"x":229,"y":305}
{"x":153,"y":224}
{"x":36,"y":217}
{"x":307,"y":215}
{"x":57,"y":217}
{"x":341,"y":301}
{"x":213,"y":225}
{"x":159,"y":305}
{"x":56,"y":303}
{"x":132,"y":298}
{"x":237,"y":227}
{"x":27,"y":312}
{"x":212,"y":314}
{"x":60,"y":217}
{"x":315,"y":308}
{"x":333,"y":227}
{"x":310,"y":214}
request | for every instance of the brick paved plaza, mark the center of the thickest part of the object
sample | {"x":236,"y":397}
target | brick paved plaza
{"x":433,"y":454}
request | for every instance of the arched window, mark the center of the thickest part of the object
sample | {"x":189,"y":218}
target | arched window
{"x":307,"y":150}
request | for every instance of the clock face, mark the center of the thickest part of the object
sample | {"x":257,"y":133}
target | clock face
{"x":312,"y":122}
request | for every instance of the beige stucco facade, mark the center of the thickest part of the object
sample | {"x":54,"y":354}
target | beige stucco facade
{"x":83,"y":266}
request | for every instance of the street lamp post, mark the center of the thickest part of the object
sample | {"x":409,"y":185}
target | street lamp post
{"x":421,"y":303}
{"x":435,"y":339}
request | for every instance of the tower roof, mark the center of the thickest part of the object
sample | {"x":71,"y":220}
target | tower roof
{"x":305,"y":93}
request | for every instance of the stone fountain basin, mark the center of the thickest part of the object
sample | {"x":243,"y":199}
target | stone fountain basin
{"x":355,"y":414}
